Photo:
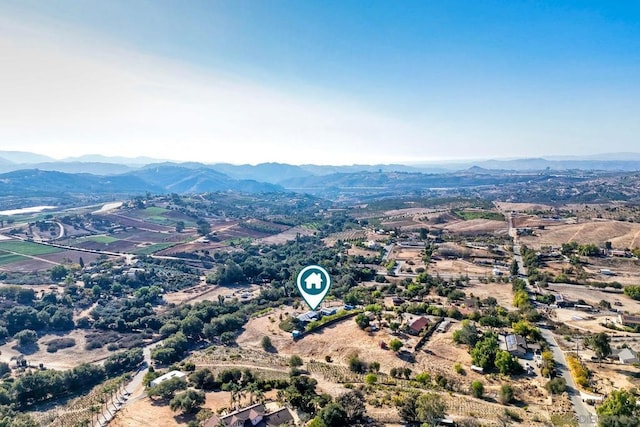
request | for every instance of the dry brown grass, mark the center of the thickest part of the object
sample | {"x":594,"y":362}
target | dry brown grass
{"x":620,"y":234}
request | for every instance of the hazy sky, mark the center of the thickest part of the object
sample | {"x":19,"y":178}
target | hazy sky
{"x":332,"y":82}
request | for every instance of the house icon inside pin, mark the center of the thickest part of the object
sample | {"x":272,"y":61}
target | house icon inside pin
{"x":313,"y":280}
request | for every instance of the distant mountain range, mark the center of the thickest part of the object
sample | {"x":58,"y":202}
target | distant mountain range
{"x":155,"y":179}
{"x":34,"y":174}
{"x":275,"y":173}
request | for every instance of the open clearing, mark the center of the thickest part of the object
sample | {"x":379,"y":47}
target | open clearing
{"x":621,"y":234}
{"x":455,"y":268}
{"x":203,"y":291}
{"x":286,"y":236}
{"x":500,"y":291}
{"x":523,"y":207}
{"x":62,"y":359}
{"x":594,"y":295}
{"x":477,"y":226}
{"x":344,"y":339}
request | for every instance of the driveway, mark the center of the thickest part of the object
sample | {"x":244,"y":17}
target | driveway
{"x":584,"y":413}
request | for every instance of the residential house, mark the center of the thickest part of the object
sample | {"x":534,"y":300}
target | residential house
{"x":252,"y":416}
{"x":328,"y":311}
{"x":418,"y":325}
{"x":442,"y":327}
{"x":514,"y":344}
{"x":309,"y":316}
{"x":627,"y":320}
{"x":167,"y":376}
{"x":628,"y":356}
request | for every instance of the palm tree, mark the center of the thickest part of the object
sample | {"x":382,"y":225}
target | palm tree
{"x":252,"y":389}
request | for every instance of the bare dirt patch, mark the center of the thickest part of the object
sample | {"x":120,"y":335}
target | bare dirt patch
{"x":500,"y":291}
{"x":455,"y":268}
{"x":478,"y":226}
{"x":204,"y":292}
{"x":62,"y":359}
{"x":523,"y":207}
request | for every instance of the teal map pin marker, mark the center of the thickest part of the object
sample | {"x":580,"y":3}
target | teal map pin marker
{"x":314,"y":283}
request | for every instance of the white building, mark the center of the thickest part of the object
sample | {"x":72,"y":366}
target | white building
{"x":167,"y":376}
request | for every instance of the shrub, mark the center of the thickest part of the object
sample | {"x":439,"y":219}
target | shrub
{"x":295,"y":361}
{"x":578,"y":370}
{"x":59,"y":343}
{"x":395,"y":344}
{"x":266,"y":344}
{"x":357,"y":365}
{"x":423,"y":378}
{"x":505,"y":395}
{"x":371,"y":379}
{"x":556,"y":385}
{"x":477,"y":389}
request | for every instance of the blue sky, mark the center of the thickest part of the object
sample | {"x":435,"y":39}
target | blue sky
{"x":334,"y":82}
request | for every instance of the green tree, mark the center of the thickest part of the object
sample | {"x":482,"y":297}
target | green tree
{"x":601,"y":345}
{"x":468,"y":334}
{"x":588,"y":249}
{"x":266,"y":344}
{"x":547,"y":369}
{"x":203,"y":379}
{"x":484,"y":352}
{"x":506,"y":363}
{"x":192,"y":326}
{"x":526,"y":329}
{"x":619,"y":409}
{"x":353,"y":403}
{"x":430,"y":409}
{"x":423,"y":378}
{"x":180,"y":227}
{"x":362,"y":320}
{"x":521,"y":299}
{"x":168,"y":388}
{"x":395,"y":344}
{"x":371,"y":378}
{"x":332,"y":415}
{"x":187,"y":402}
{"x":357,"y":365}
{"x":514,"y":268}
{"x":26,"y":337}
{"x":204,"y":227}
{"x":633,"y":291}
{"x":58,"y":273}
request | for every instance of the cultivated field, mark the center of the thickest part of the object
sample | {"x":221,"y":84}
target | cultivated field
{"x":621,"y":234}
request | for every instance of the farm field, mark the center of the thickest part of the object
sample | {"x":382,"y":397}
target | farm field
{"x":477,"y":226}
{"x":130,"y":241}
{"x":455,"y":268}
{"x":286,"y":236}
{"x":621,"y":234}
{"x":26,"y":248}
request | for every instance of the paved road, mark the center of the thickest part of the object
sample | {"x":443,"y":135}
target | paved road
{"x":131,"y":392}
{"x":583,"y":413}
{"x":584,"y":416}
